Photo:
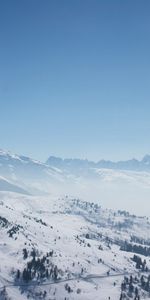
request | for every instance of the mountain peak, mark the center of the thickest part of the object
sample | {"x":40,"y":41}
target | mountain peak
{"x":146,"y":159}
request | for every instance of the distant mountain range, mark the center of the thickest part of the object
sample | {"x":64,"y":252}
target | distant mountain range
{"x":25,"y":165}
{"x":80,"y":164}
{"x":105,"y":180}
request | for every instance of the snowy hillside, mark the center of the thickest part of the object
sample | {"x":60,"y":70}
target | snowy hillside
{"x":66,"y":248}
{"x":73,"y":247}
{"x":6,"y":185}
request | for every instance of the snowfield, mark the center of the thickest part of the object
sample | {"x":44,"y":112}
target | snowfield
{"x":80,"y":242}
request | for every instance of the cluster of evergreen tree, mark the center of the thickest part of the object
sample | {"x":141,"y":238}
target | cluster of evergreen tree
{"x":38,"y":268}
{"x":126,"y":214}
{"x":3,"y":222}
{"x":127,"y":223}
{"x":135,"y":248}
{"x":88,"y":206}
{"x":135,"y":239}
{"x":129,"y":288}
{"x":123,"y":213}
{"x":68,"y":288}
{"x":4,"y":295}
{"x":145,"y":283}
{"x":14,"y":230}
{"x":140,"y":264}
{"x":40,"y":221}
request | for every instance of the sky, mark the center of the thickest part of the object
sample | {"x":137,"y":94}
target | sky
{"x":75,"y":78}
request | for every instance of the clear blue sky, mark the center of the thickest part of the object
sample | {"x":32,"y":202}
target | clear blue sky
{"x":75,"y":78}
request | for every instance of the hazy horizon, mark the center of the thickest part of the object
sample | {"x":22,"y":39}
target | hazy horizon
{"x":139,"y":158}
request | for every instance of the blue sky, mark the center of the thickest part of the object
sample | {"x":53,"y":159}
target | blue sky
{"x":75,"y":78}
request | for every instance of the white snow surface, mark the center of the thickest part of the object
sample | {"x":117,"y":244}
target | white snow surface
{"x":62,"y":224}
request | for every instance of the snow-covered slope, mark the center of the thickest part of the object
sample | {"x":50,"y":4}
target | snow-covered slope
{"x":67,"y":249}
{"x":32,"y":175}
{"x":6,"y":185}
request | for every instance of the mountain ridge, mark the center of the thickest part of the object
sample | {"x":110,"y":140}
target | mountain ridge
{"x":119,"y":186}
{"x":55,"y":161}
{"x":131,"y":164}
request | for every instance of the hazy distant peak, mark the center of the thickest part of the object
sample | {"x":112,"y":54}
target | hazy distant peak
{"x":7,"y":155}
{"x":131,"y":164}
{"x":146,"y":159}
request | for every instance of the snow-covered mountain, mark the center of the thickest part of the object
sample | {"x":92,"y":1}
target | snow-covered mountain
{"x":79,"y":165}
{"x":127,"y":189}
{"x":71,"y":249}
{"x":30,"y":174}
{"x":58,"y":239}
